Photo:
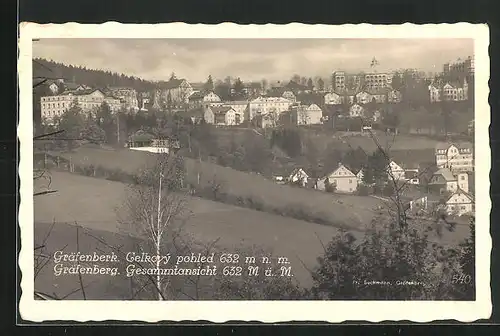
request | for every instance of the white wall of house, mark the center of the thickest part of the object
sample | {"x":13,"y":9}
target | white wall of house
{"x":456,"y":159}
{"x":459,"y":204}
{"x":343,"y":179}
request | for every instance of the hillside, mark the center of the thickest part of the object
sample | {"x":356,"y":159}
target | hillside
{"x":92,"y":202}
{"x":91,"y":77}
{"x":344,"y":210}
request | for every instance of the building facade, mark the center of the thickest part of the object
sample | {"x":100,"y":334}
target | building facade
{"x":460,"y":203}
{"x":342,"y":179}
{"x":88,"y":100}
{"x":175,"y":91}
{"x":203,"y":99}
{"x":308,"y":115}
{"x":265,"y":105}
{"x":127,"y":95}
{"x":456,"y":157}
{"x":374,"y":81}
{"x":356,"y":110}
{"x":222,"y":116}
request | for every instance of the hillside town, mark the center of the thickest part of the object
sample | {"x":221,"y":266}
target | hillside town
{"x":353,"y":104}
{"x":300,"y":148}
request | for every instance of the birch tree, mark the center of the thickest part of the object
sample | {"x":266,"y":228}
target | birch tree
{"x":154,"y":211}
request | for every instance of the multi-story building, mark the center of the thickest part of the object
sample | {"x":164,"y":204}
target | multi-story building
{"x":222,"y":116}
{"x":240,"y":106}
{"x":202,"y":99}
{"x":127,"y":95}
{"x":373,"y":81}
{"x":265,"y":105}
{"x":175,"y":91}
{"x":456,"y":157}
{"x":463,"y":67}
{"x":87,"y":100}
{"x":342,"y":81}
{"x":450,"y":91}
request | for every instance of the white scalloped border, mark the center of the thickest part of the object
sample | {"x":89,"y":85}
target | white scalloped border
{"x":264,"y":311}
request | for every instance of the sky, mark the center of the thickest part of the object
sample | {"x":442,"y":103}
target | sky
{"x":251,"y":59}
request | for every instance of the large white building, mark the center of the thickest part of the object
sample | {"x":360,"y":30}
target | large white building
{"x":265,"y":105}
{"x":87,"y":100}
{"x":456,"y":157}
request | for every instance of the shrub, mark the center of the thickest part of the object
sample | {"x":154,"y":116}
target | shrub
{"x":375,"y":266}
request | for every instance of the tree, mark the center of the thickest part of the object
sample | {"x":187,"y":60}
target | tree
{"x":321,"y":84}
{"x":73,"y":122}
{"x":172,"y":76}
{"x":310,"y":84}
{"x":376,"y":265}
{"x":264,"y":84}
{"x":107,"y":122}
{"x":355,"y":158}
{"x":238,"y":88}
{"x":153,"y":210}
{"x":209,"y":85}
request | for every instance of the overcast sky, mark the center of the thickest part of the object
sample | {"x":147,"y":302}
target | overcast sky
{"x":250,"y":59}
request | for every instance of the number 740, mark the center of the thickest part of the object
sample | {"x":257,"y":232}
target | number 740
{"x":461,"y":279}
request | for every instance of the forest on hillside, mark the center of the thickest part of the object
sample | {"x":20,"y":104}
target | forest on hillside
{"x":43,"y":68}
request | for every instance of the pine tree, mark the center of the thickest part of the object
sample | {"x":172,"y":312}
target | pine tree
{"x":209,"y":85}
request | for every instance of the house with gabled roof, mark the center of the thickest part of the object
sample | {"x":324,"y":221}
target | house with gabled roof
{"x":363,"y":97}
{"x":379,"y":94}
{"x":298,"y":176}
{"x":342,"y":179}
{"x":307,"y":115}
{"x":356,"y":110}
{"x":202,"y":99}
{"x":175,"y":90}
{"x":289,"y":95}
{"x":333,"y":98}
{"x":394,"y":96}
{"x":222,"y":116}
{"x":460,"y":203}
{"x":443,"y":180}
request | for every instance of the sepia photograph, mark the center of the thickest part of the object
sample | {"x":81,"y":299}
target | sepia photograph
{"x":198,"y":167}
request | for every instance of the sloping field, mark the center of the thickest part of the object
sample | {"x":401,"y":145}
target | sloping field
{"x":92,"y":202}
{"x":347,"y":211}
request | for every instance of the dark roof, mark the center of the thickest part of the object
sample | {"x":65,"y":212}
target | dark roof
{"x":293,"y":85}
{"x":421,"y":158}
{"x":197,"y":95}
{"x":220,"y":109}
{"x":71,"y":86}
{"x":141,"y":136}
{"x":446,"y":173}
{"x":172,"y":83}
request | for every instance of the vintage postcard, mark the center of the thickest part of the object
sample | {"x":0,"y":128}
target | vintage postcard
{"x":270,"y":173}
